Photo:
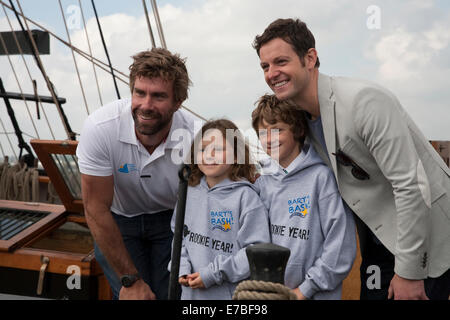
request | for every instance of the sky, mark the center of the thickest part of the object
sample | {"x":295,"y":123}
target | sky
{"x":403,"y":45}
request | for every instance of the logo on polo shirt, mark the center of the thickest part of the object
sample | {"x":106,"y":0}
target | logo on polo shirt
{"x":299,"y":207}
{"x":222,"y":220}
{"x":127,"y":168}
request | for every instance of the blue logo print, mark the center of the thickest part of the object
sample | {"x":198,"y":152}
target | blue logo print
{"x":127,"y":168}
{"x":299,"y":206}
{"x":222,"y":220}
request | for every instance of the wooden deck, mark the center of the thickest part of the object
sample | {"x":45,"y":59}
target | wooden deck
{"x":351,"y":287}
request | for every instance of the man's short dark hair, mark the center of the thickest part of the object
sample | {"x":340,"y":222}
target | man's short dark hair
{"x":294,"y":32}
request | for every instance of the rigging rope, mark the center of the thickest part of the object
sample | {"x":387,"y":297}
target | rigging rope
{"x":90,"y":57}
{"x":85,"y":55}
{"x":22,"y":144}
{"x":70,"y":133}
{"x":90,"y":52}
{"x":74,"y":60}
{"x":106,"y":49}
{"x":7,"y":137}
{"x":152,"y":39}
{"x":3,"y":152}
{"x":18,"y":83}
{"x":158,"y":24}
{"x":19,"y":47}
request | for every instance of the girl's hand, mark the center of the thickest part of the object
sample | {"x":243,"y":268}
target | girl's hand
{"x":195,"y":281}
{"x":299,"y":294}
{"x":183,"y":281}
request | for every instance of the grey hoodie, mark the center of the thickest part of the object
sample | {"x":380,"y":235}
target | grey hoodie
{"x":307,"y":215}
{"x":219,"y":223}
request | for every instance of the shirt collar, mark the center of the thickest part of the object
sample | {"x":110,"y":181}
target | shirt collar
{"x":126,"y":131}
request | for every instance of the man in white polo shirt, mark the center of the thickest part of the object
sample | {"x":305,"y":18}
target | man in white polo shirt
{"x":129,"y":155}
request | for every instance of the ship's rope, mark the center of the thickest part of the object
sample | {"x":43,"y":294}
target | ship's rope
{"x":149,"y":26}
{"x":262,"y":290}
{"x":90,"y":52}
{"x":3,"y":152}
{"x":26,"y":192}
{"x":30,"y":190}
{"x":7,"y":137}
{"x":17,"y":184}
{"x":74,"y":60}
{"x":106,"y":49}
{"x":18,"y":82}
{"x":50,"y":87}
{"x":98,"y":62}
{"x":52,"y":195}
{"x":85,"y":55}
{"x":3,"y":174}
{"x":90,"y":57}
{"x":19,"y":47}
{"x":9,"y":190}
{"x":158,"y":24}
{"x":34,"y":177}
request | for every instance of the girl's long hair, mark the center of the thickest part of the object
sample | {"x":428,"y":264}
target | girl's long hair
{"x":239,"y":171}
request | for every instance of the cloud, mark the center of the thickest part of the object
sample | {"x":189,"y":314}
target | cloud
{"x":415,"y":65}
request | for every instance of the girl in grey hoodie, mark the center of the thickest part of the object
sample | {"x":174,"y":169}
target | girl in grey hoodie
{"x":224,"y":214}
{"x":306,"y":212}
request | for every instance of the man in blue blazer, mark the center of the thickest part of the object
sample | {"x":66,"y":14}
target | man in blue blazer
{"x":387,"y":172}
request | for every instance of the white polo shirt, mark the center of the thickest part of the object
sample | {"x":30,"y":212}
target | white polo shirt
{"x":143,"y":183}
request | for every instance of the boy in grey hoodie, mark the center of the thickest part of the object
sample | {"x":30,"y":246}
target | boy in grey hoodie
{"x":306,"y":212}
{"x":224,"y":215}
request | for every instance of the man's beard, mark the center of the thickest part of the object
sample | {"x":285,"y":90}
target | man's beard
{"x":160,"y":123}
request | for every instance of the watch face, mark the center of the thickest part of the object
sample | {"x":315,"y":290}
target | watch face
{"x":128,"y":280}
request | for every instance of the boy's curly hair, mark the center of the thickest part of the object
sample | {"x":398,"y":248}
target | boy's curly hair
{"x":273,"y":110}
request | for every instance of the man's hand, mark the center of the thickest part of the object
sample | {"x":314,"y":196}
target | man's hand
{"x":195,"y":281}
{"x":299,"y":294}
{"x":138,"y":291}
{"x":404,"y":289}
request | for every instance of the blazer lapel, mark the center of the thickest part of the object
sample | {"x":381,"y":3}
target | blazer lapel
{"x":327,"y":113}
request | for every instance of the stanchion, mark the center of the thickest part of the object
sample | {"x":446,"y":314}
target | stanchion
{"x":174,"y":286}
{"x":267,"y":267}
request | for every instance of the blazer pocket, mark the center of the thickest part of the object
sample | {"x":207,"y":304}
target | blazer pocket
{"x":361,"y":158}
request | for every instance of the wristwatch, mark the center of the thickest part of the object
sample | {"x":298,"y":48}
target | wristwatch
{"x":128,"y":280}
